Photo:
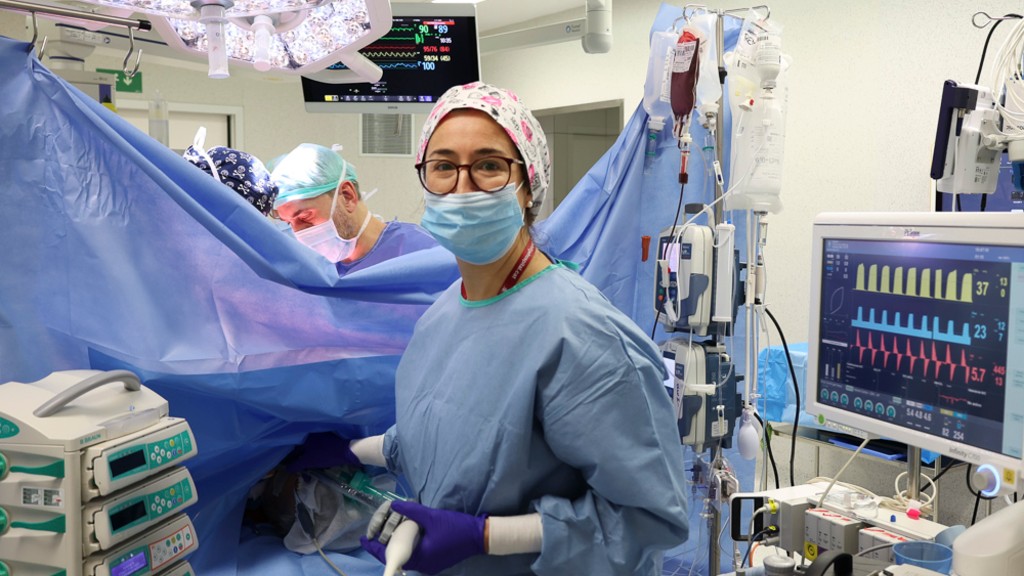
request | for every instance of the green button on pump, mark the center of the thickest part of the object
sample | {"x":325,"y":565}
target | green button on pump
{"x":4,"y":525}
{"x":8,"y":429}
{"x":4,"y":468}
{"x":4,"y":570}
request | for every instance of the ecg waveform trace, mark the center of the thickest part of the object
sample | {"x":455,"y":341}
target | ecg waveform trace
{"x":909,"y":356}
{"x":391,"y":54}
{"x":912,"y":328}
{"x":920,"y":283}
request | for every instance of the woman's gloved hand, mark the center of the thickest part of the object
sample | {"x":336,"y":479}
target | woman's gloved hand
{"x":321,"y":450}
{"x":446,"y":537}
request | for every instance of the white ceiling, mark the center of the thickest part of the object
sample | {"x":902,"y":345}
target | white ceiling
{"x":504,"y":14}
{"x":492,"y":16}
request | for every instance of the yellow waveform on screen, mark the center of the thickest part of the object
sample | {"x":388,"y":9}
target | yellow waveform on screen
{"x":923,"y":283}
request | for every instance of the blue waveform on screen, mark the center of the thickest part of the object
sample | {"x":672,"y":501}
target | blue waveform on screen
{"x":398,"y":65}
{"x":930,"y":330}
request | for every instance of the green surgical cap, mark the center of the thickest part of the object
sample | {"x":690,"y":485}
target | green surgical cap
{"x":274,"y":162}
{"x":309,"y":171}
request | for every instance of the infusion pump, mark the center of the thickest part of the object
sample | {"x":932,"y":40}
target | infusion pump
{"x":91,"y":482}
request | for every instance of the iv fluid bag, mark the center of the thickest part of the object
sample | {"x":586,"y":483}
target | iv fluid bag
{"x":758,"y":128}
{"x":709,"y":89}
{"x":657,"y":88}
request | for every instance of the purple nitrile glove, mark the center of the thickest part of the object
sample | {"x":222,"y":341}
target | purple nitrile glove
{"x":321,"y":450}
{"x":446,"y":537}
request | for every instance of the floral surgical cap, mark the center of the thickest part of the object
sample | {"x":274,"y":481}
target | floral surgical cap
{"x":511,"y":114}
{"x":240,"y":171}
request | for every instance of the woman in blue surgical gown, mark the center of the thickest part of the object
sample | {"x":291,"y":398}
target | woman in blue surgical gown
{"x":532,"y":420}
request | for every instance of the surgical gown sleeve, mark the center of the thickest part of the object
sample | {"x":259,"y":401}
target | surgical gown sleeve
{"x":391,"y":450}
{"x":604,"y":410}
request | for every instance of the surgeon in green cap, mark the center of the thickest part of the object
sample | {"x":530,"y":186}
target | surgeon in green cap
{"x":320,"y":199}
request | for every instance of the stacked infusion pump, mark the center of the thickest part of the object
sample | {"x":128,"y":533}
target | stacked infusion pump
{"x":90,"y":478}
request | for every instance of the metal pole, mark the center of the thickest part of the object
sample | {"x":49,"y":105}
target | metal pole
{"x":67,"y":12}
{"x":913,"y":473}
{"x":719,"y":123}
{"x":714,"y":516}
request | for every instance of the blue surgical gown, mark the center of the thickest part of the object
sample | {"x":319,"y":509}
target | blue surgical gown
{"x":396,"y":239}
{"x":544,"y":399}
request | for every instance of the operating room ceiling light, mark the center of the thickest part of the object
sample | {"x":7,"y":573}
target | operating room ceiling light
{"x":184,"y":9}
{"x":290,"y":36}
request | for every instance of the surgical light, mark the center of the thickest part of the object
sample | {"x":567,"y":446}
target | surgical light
{"x":291,"y":36}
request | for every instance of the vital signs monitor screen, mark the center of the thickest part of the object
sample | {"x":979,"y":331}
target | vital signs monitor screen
{"x":923,"y":336}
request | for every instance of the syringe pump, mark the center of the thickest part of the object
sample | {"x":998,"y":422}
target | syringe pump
{"x":90,"y":478}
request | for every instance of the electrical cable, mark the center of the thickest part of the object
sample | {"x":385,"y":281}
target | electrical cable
{"x":984,"y":49}
{"x":306,"y":523}
{"x":746,"y":555}
{"x":977,"y":501}
{"x":326,"y":559}
{"x":753,"y":521}
{"x":768,"y":443}
{"x":675,"y":221}
{"x":1006,"y":70}
{"x":841,"y":470}
{"x":875,"y":548}
{"x":796,"y":392}
{"x":947,"y":468}
{"x":902,"y":499}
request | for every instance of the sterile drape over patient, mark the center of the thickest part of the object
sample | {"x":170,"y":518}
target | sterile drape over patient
{"x":119,"y":254}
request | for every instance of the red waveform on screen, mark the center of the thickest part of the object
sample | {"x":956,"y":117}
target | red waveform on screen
{"x":899,"y":353}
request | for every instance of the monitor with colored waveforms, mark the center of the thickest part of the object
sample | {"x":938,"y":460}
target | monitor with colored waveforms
{"x":429,"y":49}
{"x":917,"y":332}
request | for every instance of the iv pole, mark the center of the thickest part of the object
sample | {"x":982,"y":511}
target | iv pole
{"x":755,"y":238}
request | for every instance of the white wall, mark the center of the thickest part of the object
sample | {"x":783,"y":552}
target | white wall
{"x":275,"y":121}
{"x":864,"y":94}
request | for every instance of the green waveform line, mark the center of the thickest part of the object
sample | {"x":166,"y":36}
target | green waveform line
{"x":398,"y":38}
{"x":389,"y":54}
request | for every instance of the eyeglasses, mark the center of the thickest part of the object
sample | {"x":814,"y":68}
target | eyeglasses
{"x":487,"y":174}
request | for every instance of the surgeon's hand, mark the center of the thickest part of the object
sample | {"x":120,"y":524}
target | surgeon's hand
{"x":446,"y":537}
{"x":321,"y":450}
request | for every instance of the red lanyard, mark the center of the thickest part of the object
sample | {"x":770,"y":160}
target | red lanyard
{"x":517,"y":271}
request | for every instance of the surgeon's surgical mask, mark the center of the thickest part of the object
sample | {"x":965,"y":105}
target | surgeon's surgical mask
{"x":323,"y":238}
{"x":477,"y":227}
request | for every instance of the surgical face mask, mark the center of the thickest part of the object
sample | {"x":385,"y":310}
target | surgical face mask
{"x":324,"y":239}
{"x":477,"y":227}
